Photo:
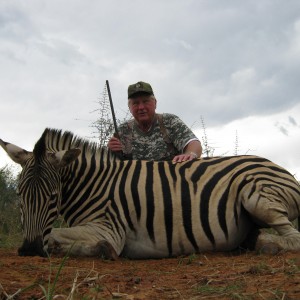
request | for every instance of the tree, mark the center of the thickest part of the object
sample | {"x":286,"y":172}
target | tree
{"x":10,"y":225}
{"x":208,"y":151}
{"x":8,"y":187}
{"x":104,"y":124}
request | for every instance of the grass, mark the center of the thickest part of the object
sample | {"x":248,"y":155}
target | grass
{"x":50,"y":289}
{"x":187,"y":260}
{"x":10,"y":225}
{"x":261,"y":268}
{"x":218,"y":276}
{"x":49,"y":292}
{"x":233,"y":291}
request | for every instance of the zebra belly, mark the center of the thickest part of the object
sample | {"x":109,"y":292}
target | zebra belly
{"x":136,"y":249}
{"x":138,"y":245}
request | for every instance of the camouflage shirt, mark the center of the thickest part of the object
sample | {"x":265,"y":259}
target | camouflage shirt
{"x":166,"y":138}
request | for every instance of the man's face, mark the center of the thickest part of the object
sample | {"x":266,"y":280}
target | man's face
{"x":142,"y":107}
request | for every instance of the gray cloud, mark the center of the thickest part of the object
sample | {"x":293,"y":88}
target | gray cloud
{"x":292,"y":121}
{"x":283,"y":130}
{"x":220,"y":60}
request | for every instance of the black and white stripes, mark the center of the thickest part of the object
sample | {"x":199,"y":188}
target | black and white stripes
{"x":151,"y":209}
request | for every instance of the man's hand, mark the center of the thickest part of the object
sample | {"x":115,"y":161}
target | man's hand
{"x":114,"y":144}
{"x":193,"y":150}
{"x":184,"y":157}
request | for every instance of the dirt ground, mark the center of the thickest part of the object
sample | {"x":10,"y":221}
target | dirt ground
{"x":201,"y":276}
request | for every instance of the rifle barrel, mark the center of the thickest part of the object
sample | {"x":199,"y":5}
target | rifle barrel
{"x":112,"y":108}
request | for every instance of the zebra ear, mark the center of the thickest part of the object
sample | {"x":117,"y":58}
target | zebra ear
{"x":63,"y":158}
{"x":17,"y":154}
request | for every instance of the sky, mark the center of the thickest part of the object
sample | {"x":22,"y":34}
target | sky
{"x":229,"y":69}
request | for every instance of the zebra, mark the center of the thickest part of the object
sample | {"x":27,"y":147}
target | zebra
{"x":149,"y":209}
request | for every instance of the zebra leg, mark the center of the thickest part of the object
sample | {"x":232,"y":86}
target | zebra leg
{"x":270,"y":212}
{"x":85,"y":240}
{"x":102,"y":249}
{"x":288,"y":239}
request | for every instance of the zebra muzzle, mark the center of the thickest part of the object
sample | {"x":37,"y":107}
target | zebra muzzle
{"x":32,"y":248}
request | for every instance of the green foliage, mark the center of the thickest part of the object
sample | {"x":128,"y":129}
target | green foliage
{"x":10,"y":224}
{"x":50,"y":290}
{"x":8,"y":185}
{"x":231,"y":291}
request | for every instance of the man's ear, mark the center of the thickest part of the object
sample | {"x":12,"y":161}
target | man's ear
{"x":63,"y":158}
{"x":17,"y":154}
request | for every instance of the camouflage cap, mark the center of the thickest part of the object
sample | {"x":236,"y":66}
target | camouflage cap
{"x":139,"y":87}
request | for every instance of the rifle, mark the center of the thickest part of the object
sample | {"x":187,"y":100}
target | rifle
{"x":112,"y":110}
{"x":119,"y":154}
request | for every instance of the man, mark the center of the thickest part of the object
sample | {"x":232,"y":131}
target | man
{"x":152,"y":136}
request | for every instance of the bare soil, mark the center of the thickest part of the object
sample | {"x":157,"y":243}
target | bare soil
{"x":201,"y":276}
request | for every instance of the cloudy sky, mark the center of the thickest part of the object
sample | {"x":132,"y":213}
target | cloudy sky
{"x":232,"y":67}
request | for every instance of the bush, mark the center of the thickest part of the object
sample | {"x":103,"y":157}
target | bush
{"x":10,"y":223}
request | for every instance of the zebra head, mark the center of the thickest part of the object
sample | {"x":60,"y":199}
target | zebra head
{"x":40,"y":191}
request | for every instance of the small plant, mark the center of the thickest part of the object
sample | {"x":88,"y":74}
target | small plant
{"x":228,"y":290}
{"x":49,"y":292}
{"x":4,"y":295}
{"x":236,"y":147}
{"x":207,"y":150}
{"x":261,"y":268}
{"x":191,"y":258}
{"x":186,"y":260}
{"x":292,"y":268}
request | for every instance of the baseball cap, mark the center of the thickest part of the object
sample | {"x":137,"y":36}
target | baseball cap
{"x":139,"y":87}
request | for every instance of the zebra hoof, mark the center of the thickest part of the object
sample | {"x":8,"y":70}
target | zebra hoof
{"x":267,"y":244}
{"x":105,"y":250}
{"x":54,"y":247}
{"x":270,"y":248}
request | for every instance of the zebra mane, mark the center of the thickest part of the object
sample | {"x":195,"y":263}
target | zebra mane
{"x":55,"y":140}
